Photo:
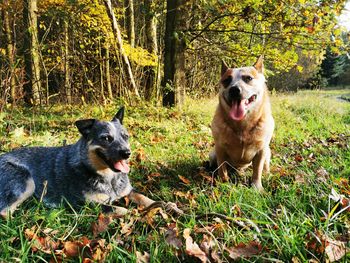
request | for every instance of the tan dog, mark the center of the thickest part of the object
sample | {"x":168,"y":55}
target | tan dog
{"x":243,"y":124}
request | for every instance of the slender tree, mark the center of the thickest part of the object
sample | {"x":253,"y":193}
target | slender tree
{"x":108,"y":73}
{"x":32,"y":86}
{"x":118,"y":36}
{"x":152,"y":73}
{"x":10,"y":50}
{"x":130,"y":21}
{"x":67,"y":83}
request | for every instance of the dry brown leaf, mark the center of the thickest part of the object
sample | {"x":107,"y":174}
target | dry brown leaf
{"x":156,"y":138}
{"x":101,"y":225}
{"x":321,"y":243}
{"x":127,"y":228}
{"x":72,"y":248}
{"x":149,"y":217}
{"x":142,"y":258}
{"x":184,"y":180}
{"x":140,"y":155}
{"x":299,"y":178}
{"x":43,"y":244}
{"x":30,"y":233}
{"x":192,"y":248}
{"x":172,"y":236}
{"x":244,"y":250}
{"x":335,"y":249}
{"x":207,"y":244}
{"x":215,"y":256}
{"x":298,"y":158}
{"x":322,"y":175}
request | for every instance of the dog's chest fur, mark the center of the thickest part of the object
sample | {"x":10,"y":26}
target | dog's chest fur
{"x":240,"y":142}
{"x":109,"y":186}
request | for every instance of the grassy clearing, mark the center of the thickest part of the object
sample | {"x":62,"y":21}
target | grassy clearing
{"x":311,"y":156}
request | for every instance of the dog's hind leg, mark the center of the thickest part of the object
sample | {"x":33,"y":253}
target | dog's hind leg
{"x":15,"y":188}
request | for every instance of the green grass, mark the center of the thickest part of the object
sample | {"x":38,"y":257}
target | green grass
{"x":311,"y":136}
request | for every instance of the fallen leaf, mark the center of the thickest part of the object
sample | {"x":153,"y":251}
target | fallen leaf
{"x":184,"y":180}
{"x":215,"y":256}
{"x":101,"y":225}
{"x":335,"y":249}
{"x":299,"y":178}
{"x":321,"y":243}
{"x":142,"y":258}
{"x":99,"y":250}
{"x":72,"y":248}
{"x":149,"y":217}
{"x":207,"y":244}
{"x":140,"y":155}
{"x":244,"y":250}
{"x":298,"y":158}
{"x":172,"y":236}
{"x":192,"y":248}
{"x":43,"y":244}
{"x":127,"y":228}
{"x":322,"y":175}
{"x":158,"y":137}
{"x":236,"y":210}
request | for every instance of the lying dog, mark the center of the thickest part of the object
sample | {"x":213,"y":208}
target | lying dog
{"x":93,"y":169}
{"x":242,"y":126}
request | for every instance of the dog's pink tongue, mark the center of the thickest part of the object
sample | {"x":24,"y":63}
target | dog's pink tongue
{"x":122,"y":166}
{"x":237,"y":111}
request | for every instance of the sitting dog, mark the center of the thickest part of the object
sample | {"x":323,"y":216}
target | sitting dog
{"x":243,"y":125}
{"x":93,"y":169}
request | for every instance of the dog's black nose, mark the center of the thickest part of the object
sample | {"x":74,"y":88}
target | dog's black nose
{"x":235,"y":92}
{"x":125,"y":154}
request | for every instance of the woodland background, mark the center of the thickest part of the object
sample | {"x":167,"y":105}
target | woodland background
{"x":56,"y":51}
{"x":61,"y":61}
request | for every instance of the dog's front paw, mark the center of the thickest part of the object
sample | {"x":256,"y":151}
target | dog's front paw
{"x":172,"y":208}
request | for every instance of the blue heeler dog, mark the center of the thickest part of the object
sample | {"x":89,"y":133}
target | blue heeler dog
{"x":93,"y":169}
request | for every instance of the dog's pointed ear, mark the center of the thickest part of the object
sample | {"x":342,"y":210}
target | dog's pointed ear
{"x":259,"y":64}
{"x":84,"y":126}
{"x":120,"y":115}
{"x":224,"y":67}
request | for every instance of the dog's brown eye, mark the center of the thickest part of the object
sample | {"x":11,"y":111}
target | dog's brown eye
{"x":247,"y":79}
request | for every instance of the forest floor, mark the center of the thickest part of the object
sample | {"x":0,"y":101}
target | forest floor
{"x":302,"y":215}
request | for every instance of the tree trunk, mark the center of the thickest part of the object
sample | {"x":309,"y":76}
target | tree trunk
{"x":130,"y":21}
{"x":173,"y":83}
{"x":108,"y":73}
{"x":67,"y":86}
{"x":151,"y":73}
{"x":32,"y":86}
{"x":117,"y":35}
{"x":10,"y":52}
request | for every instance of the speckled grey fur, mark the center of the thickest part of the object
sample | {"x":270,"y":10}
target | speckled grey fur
{"x":67,"y":171}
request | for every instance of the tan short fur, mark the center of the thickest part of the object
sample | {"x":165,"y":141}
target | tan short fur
{"x":246,"y":141}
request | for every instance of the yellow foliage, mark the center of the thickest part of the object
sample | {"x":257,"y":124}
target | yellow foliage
{"x":140,"y":56}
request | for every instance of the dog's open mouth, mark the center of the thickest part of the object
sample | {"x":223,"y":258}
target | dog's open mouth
{"x":116,"y":166}
{"x":122,"y":166}
{"x":240,"y":107}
